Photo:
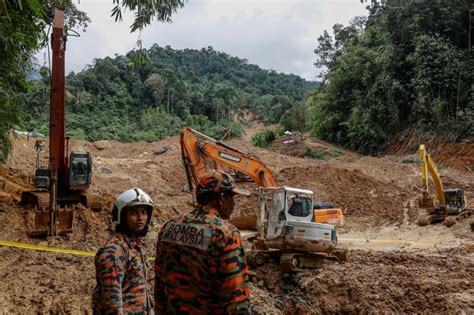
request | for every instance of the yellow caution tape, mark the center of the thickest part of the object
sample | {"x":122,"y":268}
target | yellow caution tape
{"x":86,"y":253}
{"x":47,"y":248}
{"x":52,"y":249}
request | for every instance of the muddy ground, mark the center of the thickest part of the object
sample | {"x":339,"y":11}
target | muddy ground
{"x":393,"y":266}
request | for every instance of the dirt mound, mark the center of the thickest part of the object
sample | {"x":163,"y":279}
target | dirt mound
{"x":458,"y":155}
{"x":356,"y":194}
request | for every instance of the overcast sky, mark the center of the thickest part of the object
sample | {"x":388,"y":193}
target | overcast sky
{"x":278,"y":35}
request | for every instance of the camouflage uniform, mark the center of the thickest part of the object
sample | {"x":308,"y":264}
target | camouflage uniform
{"x":121,"y":278}
{"x":200,"y":266}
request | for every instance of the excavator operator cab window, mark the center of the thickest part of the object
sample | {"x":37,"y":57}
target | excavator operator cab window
{"x":79,"y":171}
{"x":299,"y":206}
{"x":80,"y":168}
{"x":453,"y":199}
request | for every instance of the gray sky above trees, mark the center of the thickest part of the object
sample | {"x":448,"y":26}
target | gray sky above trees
{"x":278,"y":35}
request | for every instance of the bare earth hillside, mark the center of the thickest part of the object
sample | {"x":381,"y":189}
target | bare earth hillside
{"x":393,"y":266}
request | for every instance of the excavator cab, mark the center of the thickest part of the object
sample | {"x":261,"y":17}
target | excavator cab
{"x":80,"y":170}
{"x":42,"y":178}
{"x":455,"y":201}
{"x":287,"y":234}
{"x":286,"y":221}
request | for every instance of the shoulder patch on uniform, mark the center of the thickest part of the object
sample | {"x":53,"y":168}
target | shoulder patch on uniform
{"x":187,"y":234}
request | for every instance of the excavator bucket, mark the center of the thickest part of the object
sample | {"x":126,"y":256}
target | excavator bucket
{"x":426,"y":202}
{"x":63,"y":218}
{"x":40,"y":226}
{"x":40,"y":216}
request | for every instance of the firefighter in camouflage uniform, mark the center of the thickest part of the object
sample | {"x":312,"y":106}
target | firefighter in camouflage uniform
{"x":121,"y":264}
{"x":200,"y":265}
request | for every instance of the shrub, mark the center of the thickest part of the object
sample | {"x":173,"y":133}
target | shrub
{"x":263,"y":138}
{"x":335,"y":153}
{"x":316,"y":154}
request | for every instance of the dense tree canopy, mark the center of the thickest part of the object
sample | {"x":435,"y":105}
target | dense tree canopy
{"x":406,"y":67}
{"x":202,"y":88}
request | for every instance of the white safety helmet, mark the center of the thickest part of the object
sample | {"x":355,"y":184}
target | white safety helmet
{"x":131,"y":197}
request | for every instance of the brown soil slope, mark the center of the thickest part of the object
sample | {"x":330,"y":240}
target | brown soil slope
{"x":394,"y":266}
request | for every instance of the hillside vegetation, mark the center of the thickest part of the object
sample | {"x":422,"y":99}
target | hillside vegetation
{"x":22,"y":34}
{"x":405,"y":67}
{"x":404,"y":70}
{"x":116,"y":99}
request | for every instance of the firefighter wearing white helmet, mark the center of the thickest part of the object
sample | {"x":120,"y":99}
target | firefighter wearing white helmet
{"x":121,"y":264}
{"x":131,"y":198}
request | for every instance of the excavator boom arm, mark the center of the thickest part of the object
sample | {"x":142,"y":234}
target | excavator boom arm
{"x":428,"y":166}
{"x":196,"y":152}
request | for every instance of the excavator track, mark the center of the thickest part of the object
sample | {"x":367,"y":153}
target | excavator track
{"x":290,"y":263}
{"x":295,"y":262}
{"x":434,"y":217}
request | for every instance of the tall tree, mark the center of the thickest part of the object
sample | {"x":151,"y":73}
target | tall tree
{"x":409,"y":68}
{"x":22,"y":25}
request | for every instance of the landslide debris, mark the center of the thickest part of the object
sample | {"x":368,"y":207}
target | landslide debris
{"x":427,"y":269}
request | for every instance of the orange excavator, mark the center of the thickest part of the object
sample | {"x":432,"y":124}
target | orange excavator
{"x":286,"y":229}
{"x":201,"y":152}
{"x":63,"y":183}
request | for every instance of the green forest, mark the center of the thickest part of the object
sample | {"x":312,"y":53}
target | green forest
{"x":115,"y":99}
{"x":405,"y":69}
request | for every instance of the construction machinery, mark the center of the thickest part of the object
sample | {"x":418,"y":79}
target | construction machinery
{"x":201,"y":152}
{"x":325,"y":212}
{"x":62,"y":184}
{"x":286,"y":231}
{"x":445,"y":205}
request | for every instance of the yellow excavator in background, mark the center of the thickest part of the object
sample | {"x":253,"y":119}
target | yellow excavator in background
{"x":446,"y":205}
{"x":286,"y":228}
